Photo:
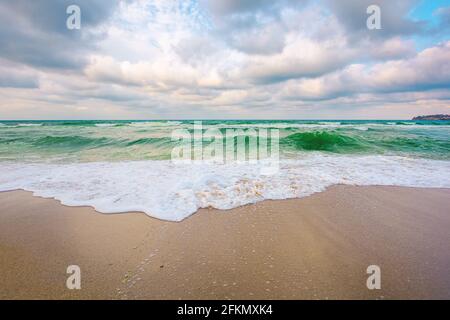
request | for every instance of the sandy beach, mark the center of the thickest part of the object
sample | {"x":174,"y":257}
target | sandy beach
{"x":317,"y":247}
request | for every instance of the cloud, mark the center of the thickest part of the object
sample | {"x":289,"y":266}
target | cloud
{"x":198,"y":58}
{"x":443,"y":14}
{"x":18,"y":78}
{"x":273,"y":52}
{"x":35,"y":32}
{"x":428,"y":70}
{"x":268,"y":39}
{"x":230,"y":7}
{"x":161,"y":74}
{"x":393,"y":48}
{"x":394,"y":17}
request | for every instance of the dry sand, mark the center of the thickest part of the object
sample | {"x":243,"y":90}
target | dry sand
{"x":312,"y":248}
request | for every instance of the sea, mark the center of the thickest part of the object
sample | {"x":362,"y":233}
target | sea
{"x":128,"y":165}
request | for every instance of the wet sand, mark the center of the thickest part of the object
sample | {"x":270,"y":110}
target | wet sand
{"x":317,"y":247}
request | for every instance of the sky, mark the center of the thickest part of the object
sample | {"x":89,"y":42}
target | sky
{"x":224,"y":59}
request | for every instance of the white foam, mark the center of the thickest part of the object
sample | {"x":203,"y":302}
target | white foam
{"x":171,"y":191}
{"x":361,"y":128}
{"x":105,"y":124}
{"x":329,"y":122}
{"x":155,"y":123}
{"x":406,"y":125}
{"x":29,"y":124}
{"x":2,"y":125}
{"x":275,"y":125}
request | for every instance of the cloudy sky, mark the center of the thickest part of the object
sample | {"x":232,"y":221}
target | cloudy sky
{"x":224,"y":59}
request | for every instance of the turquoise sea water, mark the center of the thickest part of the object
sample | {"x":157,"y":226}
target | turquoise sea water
{"x":84,"y":141}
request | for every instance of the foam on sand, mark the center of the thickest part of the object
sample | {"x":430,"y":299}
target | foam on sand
{"x":169,"y":191}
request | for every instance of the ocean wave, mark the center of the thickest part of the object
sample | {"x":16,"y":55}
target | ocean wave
{"x":324,"y":141}
{"x":5,"y":126}
{"x":273,"y":125}
{"x":329,"y":123}
{"x":84,"y":123}
{"x":155,"y":123}
{"x":169,"y":191}
{"x":29,"y":124}
{"x":70,"y":141}
{"x":405,"y":125}
{"x":151,"y":141}
{"x":18,"y":125}
{"x":361,"y":128}
{"x":106,"y":124}
{"x":342,"y":142}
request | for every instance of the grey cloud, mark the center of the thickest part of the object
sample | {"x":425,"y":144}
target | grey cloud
{"x":195,"y":50}
{"x":289,"y":66}
{"x":50,"y":15}
{"x":394,"y":21}
{"x":267,"y":40}
{"x":251,"y":26}
{"x":428,"y":70}
{"x":227,"y":7}
{"x":17,"y":82}
{"x":443,"y":15}
{"x":18,"y":79}
{"x":35,"y":33}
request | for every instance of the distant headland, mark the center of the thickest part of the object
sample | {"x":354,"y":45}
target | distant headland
{"x":433,"y":117}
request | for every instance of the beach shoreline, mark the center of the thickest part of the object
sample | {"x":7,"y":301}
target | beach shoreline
{"x":317,"y":247}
